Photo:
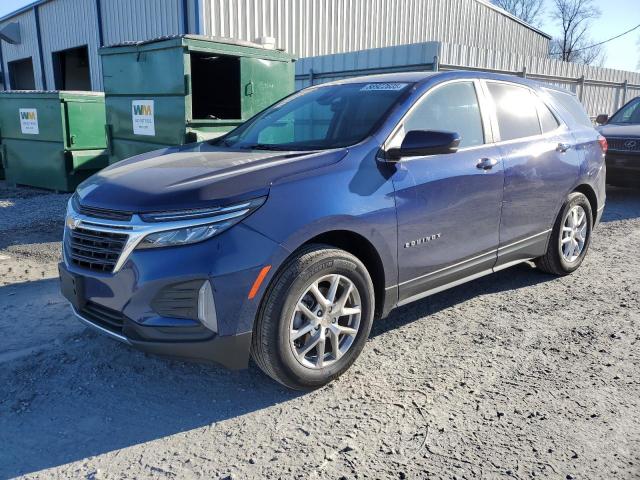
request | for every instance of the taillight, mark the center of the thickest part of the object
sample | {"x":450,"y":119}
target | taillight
{"x":603,"y":144}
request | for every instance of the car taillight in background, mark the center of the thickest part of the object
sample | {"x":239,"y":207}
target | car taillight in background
{"x":603,"y":144}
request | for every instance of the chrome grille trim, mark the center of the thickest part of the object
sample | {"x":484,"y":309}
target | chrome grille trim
{"x":95,"y":250}
{"x":134,"y":230}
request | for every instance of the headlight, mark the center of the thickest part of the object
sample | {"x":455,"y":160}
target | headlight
{"x":183,"y":236}
{"x":202,"y":224}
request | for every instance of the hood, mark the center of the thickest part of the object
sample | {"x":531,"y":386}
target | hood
{"x":613,"y":130}
{"x":194,"y":176}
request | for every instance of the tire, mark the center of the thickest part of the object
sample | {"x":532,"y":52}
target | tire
{"x":555,"y":260}
{"x":281,"y":318}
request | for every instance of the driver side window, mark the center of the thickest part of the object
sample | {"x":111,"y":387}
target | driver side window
{"x":453,"y":108}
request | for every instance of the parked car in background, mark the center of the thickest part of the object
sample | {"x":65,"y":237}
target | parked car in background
{"x":285,"y":238}
{"x":622,"y":132}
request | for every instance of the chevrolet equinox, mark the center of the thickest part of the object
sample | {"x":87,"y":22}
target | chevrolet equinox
{"x":285,"y":238}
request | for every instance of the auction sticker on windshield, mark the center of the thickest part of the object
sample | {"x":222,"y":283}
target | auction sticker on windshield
{"x":394,"y":87}
{"x":142,"y":117}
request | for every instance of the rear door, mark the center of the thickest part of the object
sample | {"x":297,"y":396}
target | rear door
{"x":448,"y":206}
{"x":541,"y":164}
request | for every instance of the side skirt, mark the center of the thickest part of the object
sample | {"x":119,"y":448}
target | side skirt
{"x":507,"y":256}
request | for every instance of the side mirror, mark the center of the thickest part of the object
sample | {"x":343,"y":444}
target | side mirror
{"x":420,"y":143}
{"x":602,"y":119}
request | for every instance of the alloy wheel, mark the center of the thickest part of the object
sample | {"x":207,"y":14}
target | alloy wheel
{"x":325,"y":321}
{"x":574,"y":234}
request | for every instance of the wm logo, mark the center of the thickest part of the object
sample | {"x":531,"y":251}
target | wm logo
{"x":142,"y":110}
{"x":28,"y":115}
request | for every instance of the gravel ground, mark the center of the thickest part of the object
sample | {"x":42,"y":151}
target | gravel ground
{"x":518,"y":375}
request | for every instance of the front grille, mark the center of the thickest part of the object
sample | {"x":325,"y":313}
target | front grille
{"x":624,"y":144}
{"x":105,"y":214}
{"x":94,"y":250}
{"x":105,"y":317}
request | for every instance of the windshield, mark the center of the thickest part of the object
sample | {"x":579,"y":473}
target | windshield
{"x":327,"y":117}
{"x":630,"y":113}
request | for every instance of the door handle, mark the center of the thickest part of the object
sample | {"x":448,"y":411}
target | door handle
{"x":486,"y":163}
{"x":563,"y":147}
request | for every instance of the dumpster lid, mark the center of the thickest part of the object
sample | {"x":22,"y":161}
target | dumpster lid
{"x":229,"y":41}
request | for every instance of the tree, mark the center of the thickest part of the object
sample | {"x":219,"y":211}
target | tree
{"x":574,"y":43}
{"x":529,"y":11}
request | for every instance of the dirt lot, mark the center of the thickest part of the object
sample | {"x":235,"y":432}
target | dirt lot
{"x":517,"y":375}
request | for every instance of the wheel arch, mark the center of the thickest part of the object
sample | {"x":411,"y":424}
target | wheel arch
{"x":363,"y":249}
{"x":588,"y":191}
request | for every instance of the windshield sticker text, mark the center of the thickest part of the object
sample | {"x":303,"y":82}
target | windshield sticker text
{"x":394,"y":87}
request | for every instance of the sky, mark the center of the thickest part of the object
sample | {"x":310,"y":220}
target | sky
{"x":617,"y":17}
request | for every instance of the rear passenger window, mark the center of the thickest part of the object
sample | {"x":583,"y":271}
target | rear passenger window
{"x":516,"y":111}
{"x":452,"y":108}
{"x":573,"y":106}
{"x":547,"y":119}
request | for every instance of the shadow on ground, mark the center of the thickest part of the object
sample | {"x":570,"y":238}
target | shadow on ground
{"x":89,"y":395}
{"x":84,"y":394}
{"x":622,"y":204}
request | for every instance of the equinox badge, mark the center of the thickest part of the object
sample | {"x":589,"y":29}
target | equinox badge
{"x":420,"y":241}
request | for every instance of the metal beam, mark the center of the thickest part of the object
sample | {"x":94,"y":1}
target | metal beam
{"x":185,"y":16}
{"x":100,"y":25}
{"x":43,"y":74}
{"x":5,"y":74}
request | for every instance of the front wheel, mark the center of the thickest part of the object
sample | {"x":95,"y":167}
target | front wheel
{"x":570,"y":237}
{"x":315,"y":318}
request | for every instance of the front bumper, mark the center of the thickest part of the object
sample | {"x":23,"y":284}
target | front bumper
{"x":231,"y":352}
{"x":132,"y":305}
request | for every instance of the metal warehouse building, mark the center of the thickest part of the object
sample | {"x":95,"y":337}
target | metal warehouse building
{"x":53,"y":44}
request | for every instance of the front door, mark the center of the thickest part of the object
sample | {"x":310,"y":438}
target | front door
{"x":448,"y":206}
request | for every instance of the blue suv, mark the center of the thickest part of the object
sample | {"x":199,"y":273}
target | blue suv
{"x":285,"y":238}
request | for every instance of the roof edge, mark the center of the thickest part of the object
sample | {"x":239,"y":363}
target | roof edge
{"x":502,"y":11}
{"x":22,"y":10}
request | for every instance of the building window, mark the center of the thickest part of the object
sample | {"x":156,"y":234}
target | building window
{"x":21,"y":74}
{"x":71,"y":69}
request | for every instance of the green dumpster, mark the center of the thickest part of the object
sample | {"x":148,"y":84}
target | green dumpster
{"x":187,"y":88}
{"x":52,"y":140}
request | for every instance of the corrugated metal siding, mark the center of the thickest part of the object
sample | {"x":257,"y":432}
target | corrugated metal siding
{"x":28,"y":47}
{"x":67,"y":24}
{"x":126,"y":20}
{"x":317,"y":27}
{"x":326,"y":68}
{"x":602,"y":90}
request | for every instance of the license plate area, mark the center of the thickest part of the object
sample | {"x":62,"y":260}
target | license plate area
{"x":72,"y":287}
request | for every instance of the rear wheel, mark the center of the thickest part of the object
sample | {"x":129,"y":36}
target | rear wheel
{"x":315,"y":318}
{"x":570,"y":237}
